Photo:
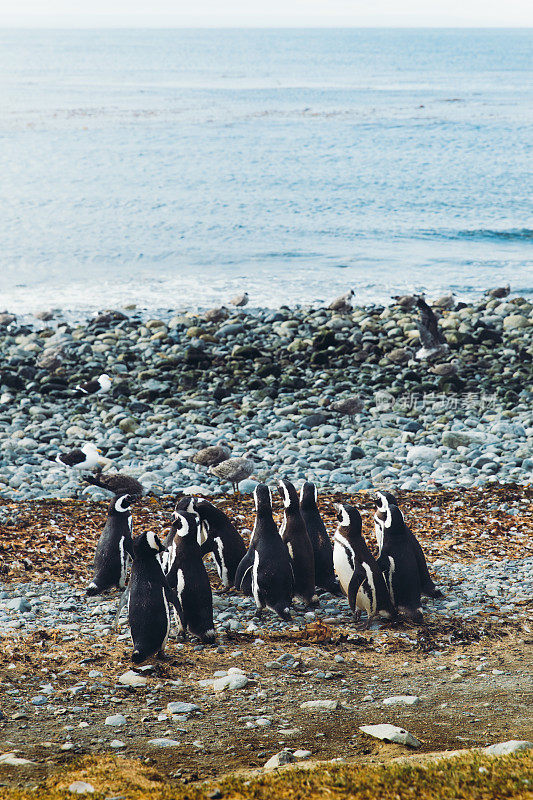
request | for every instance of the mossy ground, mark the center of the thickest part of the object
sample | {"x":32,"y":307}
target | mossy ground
{"x":470,"y":776}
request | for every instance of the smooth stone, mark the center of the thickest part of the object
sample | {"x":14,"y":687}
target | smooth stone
{"x":401,"y":700}
{"x":116,"y":744}
{"x":504,"y":748}
{"x":11,"y":760}
{"x":115,"y":720}
{"x":319,"y":705}
{"x":390,"y":733}
{"x":81,"y":787}
{"x":422,"y":453}
{"x":131,"y":678}
{"x":230,"y":682}
{"x":278,"y":760}
{"x":162,"y":742}
{"x":176,"y":707}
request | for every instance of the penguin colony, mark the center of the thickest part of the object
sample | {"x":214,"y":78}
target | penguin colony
{"x":168,"y":578}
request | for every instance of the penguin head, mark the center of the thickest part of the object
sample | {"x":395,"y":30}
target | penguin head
{"x":350,"y":522}
{"x":148,"y":545}
{"x":263,"y":499}
{"x":384,"y":500}
{"x":186,"y":503}
{"x":121,"y":504}
{"x":308,"y":495}
{"x":394,"y":522}
{"x":186,"y":525}
{"x":288,"y":494}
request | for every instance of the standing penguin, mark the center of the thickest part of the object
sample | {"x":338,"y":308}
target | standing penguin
{"x":114,"y":549}
{"x":186,"y":574}
{"x":359,"y":574}
{"x":267,"y":562}
{"x":316,"y":530}
{"x":398,"y":563}
{"x":426,"y":584}
{"x":150,"y":599}
{"x":294,"y":534}
{"x":222,"y":539}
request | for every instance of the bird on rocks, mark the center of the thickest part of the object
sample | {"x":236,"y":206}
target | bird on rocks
{"x":446,"y":301}
{"x":117,"y":483}
{"x":95,"y":386}
{"x":240,"y":300}
{"x":216,"y":314}
{"x":400,"y":355}
{"x":348,"y":407}
{"x":234,"y":470}
{"x":407,"y":301}
{"x":499,"y":292}
{"x":445,"y":369}
{"x":431,"y":337}
{"x":212,"y":455}
{"x":86,"y":457}
{"x":342,"y":303}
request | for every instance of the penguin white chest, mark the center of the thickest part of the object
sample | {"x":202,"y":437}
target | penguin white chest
{"x":255,"y":584}
{"x":220,"y":562}
{"x":366,"y":596}
{"x":343,"y":563}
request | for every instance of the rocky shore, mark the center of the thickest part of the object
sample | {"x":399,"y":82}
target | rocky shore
{"x":265,"y":381}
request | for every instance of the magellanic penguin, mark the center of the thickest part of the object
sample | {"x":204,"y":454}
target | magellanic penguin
{"x":316,"y":530}
{"x":267,"y":562}
{"x":398,"y":563}
{"x":114,"y":549}
{"x":426,"y":583}
{"x":294,"y":534}
{"x":359,"y":574}
{"x":222,"y":538}
{"x":186,"y":573}
{"x":150,"y":599}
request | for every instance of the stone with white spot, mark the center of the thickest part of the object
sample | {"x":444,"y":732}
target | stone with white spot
{"x":278,"y":760}
{"x":504,"y":748}
{"x":390,"y":733}
{"x":115,"y":720}
{"x":163,"y":742}
{"x":81,"y":787}
{"x":131,"y":678}
{"x":320,"y":705}
{"x":182,"y":708}
{"x":401,"y":700}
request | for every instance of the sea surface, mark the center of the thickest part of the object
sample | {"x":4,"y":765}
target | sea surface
{"x":172,"y":168}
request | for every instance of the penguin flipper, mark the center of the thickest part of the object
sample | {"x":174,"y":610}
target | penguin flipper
{"x":355,"y":584}
{"x":245,"y":566}
{"x":173,"y":598}
{"x":426,"y":582}
{"x":208,"y":546}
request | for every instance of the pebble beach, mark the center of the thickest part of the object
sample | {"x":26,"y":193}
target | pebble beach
{"x":263,"y":381}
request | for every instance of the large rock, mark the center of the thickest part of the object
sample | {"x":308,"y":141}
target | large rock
{"x":515,"y":321}
{"x":278,"y":760}
{"x":320,"y":705}
{"x":401,"y":700}
{"x":455,"y":439}
{"x":131,"y":678}
{"x":390,"y":733}
{"x":504,"y":748}
{"x":422,"y":453}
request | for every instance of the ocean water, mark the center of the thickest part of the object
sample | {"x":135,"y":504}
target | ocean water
{"x":171,"y":168}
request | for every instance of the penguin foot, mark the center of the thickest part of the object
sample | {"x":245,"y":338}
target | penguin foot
{"x":259,"y":613}
{"x":92,"y":590}
{"x":433,"y":592}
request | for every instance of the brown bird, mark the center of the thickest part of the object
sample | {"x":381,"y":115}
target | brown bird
{"x":431,"y":337}
{"x":212,"y":455}
{"x":216,"y":314}
{"x":118,"y":484}
{"x":406,"y":301}
{"x":348,"y":407}
{"x":445,"y":369}
{"x":446,"y":301}
{"x":234,"y":470}
{"x":240,"y":300}
{"x":342,"y":303}
{"x":499,"y":292}
{"x":400,"y":355}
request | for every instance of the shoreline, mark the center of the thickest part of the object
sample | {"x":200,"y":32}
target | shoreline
{"x":264,"y":380}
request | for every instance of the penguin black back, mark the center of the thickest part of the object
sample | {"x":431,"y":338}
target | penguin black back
{"x":150,"y":599}
{"x":186,"y":574}
{"x":266,"y":567}
{"x":294,"y":534}
{"x":366,"y":589}
{"x":114,"y":549}
{"x":399,"y":565}
{"x":384,"y":500}
{"x":316,"y":530}
{"x":222,"y":539}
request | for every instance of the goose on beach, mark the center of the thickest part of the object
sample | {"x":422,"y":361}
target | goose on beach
{"x":348,"y":407}
{"x":212,"y":455}
{"x":234,"y":470}
{"x":342,"y":303}
{"x":240,"y":300}
{"x":118,"y":484}
{"x":499,"y":292}
{"x":431,"y":337}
